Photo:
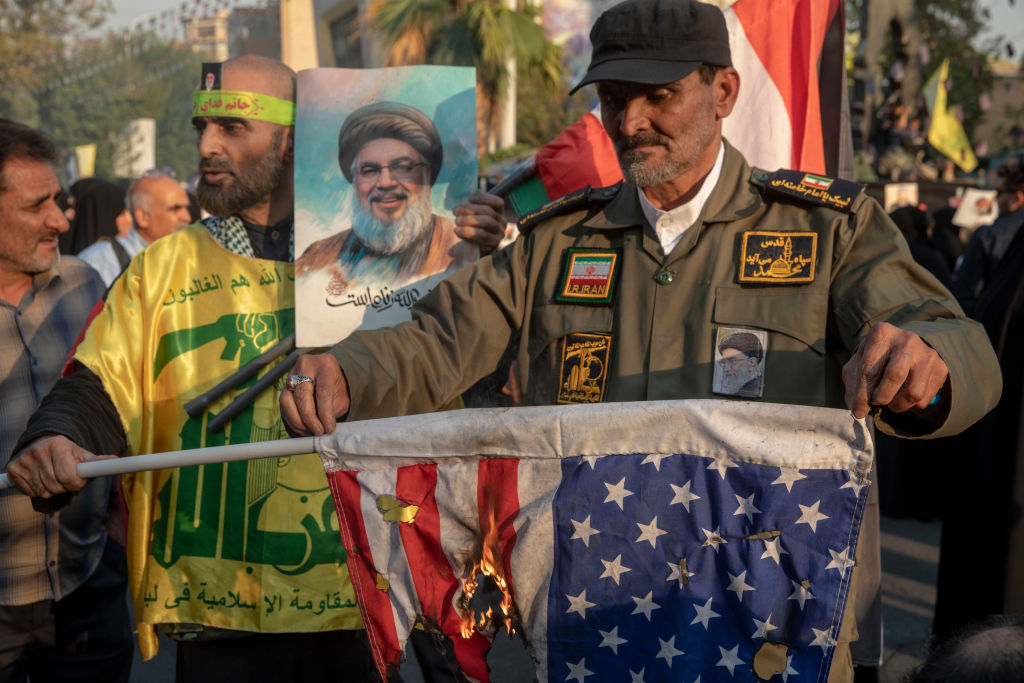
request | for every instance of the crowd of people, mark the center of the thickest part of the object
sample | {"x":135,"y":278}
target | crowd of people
{"x":871,"y":327}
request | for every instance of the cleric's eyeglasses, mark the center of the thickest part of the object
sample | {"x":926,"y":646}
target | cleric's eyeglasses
{"x":402,"y":171}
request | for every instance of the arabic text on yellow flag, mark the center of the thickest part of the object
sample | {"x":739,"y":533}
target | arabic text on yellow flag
{"x":946,"y":133}
{"x":252,"y":545}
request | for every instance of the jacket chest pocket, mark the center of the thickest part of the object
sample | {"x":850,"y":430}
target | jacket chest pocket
{"x":795,"y":319}
{"x":570,"y":352}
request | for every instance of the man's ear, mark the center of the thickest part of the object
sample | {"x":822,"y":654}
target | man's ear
{"x":725,"y":90}
{"x":289,"y":152}
{"x":141,"y":218}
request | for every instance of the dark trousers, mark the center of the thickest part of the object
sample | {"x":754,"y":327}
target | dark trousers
{"x":87,"y":636}
{"x":274,"y":657}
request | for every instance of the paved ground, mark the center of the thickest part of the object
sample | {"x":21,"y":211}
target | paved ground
{"x":910,"y":555}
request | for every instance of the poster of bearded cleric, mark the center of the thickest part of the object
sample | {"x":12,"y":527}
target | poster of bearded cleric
{"x":382,"y":156}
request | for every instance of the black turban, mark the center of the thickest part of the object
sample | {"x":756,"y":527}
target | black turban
{"x":389,"y":120}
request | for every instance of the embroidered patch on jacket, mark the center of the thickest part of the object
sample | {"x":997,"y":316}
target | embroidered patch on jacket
{"x":816,"y":181}
{"x":584,"y":370}
{"x":778,"y":257}
{"x":589,"y":276}
{"x":834,"y":193}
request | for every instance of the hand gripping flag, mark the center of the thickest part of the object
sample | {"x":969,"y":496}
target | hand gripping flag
{"x":633,"y":541}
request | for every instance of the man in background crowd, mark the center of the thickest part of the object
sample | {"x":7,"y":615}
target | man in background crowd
{"x":158,"y":207}
{"x":989,"y":243}
{"x":63,"y":614}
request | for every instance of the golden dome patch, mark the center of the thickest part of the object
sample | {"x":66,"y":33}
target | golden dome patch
{"x":778,"y":257}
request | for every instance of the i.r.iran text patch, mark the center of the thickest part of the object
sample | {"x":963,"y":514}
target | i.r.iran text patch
{"x":589,"y":276}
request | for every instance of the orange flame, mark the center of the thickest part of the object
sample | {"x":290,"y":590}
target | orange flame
{"x":489,"y":565}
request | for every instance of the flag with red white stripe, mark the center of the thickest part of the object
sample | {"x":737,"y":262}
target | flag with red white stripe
{"x":789,"y":113}
{"x":647,"y":541}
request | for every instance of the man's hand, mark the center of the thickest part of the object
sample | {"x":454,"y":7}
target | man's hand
{"x":49,"y":466}
{"x":894,"y":369}
{"x":481,"y":221}
{"x":314,"y":407}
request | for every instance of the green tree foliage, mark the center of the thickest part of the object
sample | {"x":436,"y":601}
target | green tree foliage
{"x":481,"y":33}
{"x":84,"y":89}
{"x":30,"y":37}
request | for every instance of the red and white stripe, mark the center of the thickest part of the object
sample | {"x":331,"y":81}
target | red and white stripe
{"x":776,"y":46}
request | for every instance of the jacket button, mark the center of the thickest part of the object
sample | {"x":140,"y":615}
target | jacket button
{"x":664,"y":277}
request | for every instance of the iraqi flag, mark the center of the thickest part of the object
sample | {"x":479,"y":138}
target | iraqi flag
{"x":632,"y":542}
{"x":791,"y":111}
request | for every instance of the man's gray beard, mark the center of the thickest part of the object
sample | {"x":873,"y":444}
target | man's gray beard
{"x":640,"y":174}
{"x":386,"y":239}
{"x":252,"y":183}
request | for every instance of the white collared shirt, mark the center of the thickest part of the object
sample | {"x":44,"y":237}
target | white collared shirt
{"x":670,"y":225}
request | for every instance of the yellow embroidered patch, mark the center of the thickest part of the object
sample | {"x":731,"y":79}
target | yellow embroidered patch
{"x":778,"y":257}
{"x":584,"y":368}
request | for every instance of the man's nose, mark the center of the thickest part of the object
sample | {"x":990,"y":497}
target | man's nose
{"x":208,"y":142}
{"x":56,"y":220}
{"x":386,"y":178}
{"x":634,"y":117}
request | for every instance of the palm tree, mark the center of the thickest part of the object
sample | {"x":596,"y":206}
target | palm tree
{"x":483,"y":33}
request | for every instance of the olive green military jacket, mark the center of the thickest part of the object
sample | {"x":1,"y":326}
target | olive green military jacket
{"x":599,"y":313}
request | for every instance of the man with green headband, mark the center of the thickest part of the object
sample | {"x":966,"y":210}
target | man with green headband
{"x":241,"y":563}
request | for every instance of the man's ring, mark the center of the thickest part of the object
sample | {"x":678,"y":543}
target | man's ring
{"x":295,"y":380}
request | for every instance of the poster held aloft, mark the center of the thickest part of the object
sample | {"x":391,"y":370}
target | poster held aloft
{"x":383,"y":156}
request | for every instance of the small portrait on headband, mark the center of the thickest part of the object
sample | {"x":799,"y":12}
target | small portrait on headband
{"x":739,"y":362}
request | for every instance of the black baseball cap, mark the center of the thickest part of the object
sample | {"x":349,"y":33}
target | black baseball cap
{"x":656,"y":41}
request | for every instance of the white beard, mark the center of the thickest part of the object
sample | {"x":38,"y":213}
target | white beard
{"x":386,"y":239}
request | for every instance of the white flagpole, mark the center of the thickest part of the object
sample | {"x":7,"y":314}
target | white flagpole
{"x":196,"y":456}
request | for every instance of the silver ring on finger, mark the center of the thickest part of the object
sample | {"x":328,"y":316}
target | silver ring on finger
{"x":295,"y":380}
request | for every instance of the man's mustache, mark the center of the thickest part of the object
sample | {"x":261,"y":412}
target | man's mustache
{"x":641,"y":140}
{"x":216,"y":166}
{"x":388,"y":196}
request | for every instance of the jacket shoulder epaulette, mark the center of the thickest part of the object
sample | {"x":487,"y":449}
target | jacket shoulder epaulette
{"x":809,"y":188}
{"x":573,"y":201}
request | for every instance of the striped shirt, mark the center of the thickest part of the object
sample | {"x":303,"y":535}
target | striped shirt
{"x":45,"y":556}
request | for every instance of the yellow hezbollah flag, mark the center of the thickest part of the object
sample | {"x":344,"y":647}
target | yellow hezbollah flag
{"x":946,"y":133}
{"x":253,"y":545}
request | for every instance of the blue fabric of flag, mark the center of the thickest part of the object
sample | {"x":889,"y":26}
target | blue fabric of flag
{"x":709,"y":591}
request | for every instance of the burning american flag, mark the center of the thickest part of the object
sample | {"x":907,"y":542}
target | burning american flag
{"x":651,"y":541}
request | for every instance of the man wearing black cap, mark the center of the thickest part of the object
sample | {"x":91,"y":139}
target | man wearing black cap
{"x":392,"y":154}
{"x":615,"y":294}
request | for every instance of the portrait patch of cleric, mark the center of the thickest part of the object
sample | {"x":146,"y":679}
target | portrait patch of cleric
{"x":391,"y":153}
{"x":739,"y":362}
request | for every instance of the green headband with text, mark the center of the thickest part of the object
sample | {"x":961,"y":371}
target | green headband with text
{"x":243,"y":105}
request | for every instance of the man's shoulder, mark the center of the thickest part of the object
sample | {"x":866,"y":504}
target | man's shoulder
{"x":191,"y":236}
{"x":809,"y":190}
{"x":581,"y":202}
{"x":75,"y":269}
